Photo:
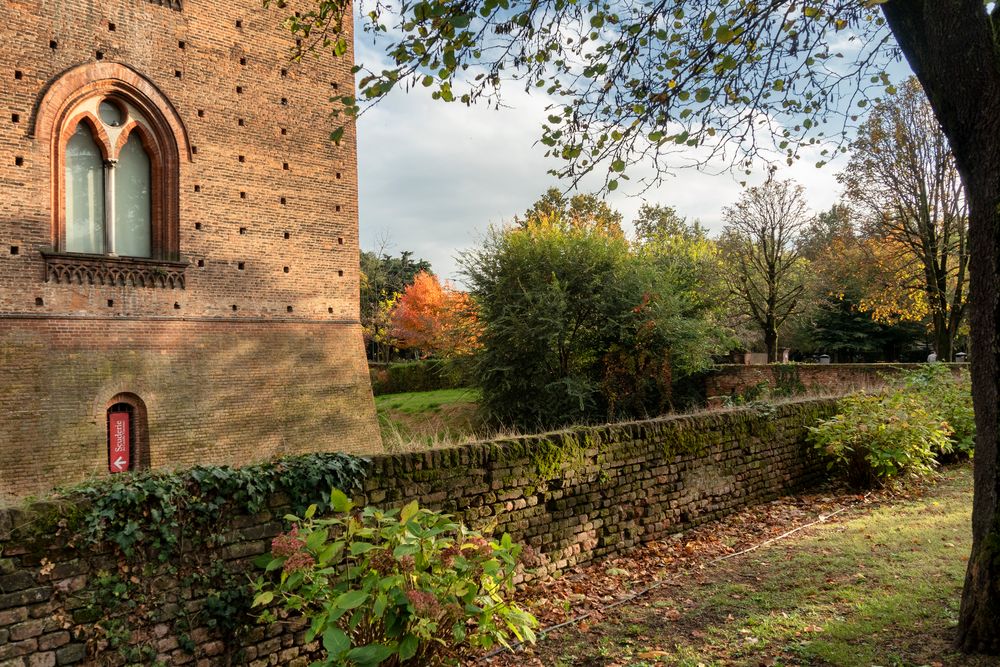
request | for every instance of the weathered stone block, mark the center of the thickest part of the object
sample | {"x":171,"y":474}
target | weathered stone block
{"x":25,"y":597}
{"x":14,"y":615}
{"x":17,"y":649}
{"x":47,"y":659}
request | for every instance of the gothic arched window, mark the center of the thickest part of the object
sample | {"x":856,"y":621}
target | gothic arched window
{"x":111,"y":196}
{"x":117,"y":144}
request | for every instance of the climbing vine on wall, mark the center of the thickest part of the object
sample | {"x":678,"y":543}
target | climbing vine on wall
{"x":157,"y":536}
{"x":787,"y":381}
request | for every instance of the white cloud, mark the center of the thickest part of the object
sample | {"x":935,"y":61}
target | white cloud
{"x":434,"y":176}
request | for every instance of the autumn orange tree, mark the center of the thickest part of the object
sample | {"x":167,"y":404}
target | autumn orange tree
{"x":383,"y":278}
{"x":895,"y":285}
{"x":434,"y":319}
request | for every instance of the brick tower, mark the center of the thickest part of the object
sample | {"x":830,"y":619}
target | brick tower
{"x":178,"y":242}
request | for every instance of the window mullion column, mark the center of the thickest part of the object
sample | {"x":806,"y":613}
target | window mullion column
{"x":109,"y":206}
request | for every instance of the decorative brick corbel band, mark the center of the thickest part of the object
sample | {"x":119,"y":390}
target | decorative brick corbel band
{"x":77,"y":269}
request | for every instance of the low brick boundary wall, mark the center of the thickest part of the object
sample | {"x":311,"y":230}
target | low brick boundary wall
{"x":729,"y":380}
{"x":574,"y":496}
{"x":578,"y":495}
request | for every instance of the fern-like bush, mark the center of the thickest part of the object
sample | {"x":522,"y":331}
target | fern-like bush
{"x":876,"y":437}
{"x":393,"y":587}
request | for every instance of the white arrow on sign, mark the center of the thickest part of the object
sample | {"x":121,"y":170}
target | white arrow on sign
{"x":119,"y":463}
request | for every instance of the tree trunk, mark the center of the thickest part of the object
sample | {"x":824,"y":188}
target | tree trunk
{"x":771,"y":341}
{"x":979,"y":619}
{"x":951,"y":47}
{"x":943,"y":342}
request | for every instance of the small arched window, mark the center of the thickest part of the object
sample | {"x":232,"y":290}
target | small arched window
{"x":109,"y":189}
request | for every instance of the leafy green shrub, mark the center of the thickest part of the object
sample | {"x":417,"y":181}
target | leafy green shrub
{"x":392,"y":587}
{"x":425,"y":375}
{"x":949,"y":396}
{"x":876,"y":437}
{"x":581,"y":327}
{"x":927,"y":418}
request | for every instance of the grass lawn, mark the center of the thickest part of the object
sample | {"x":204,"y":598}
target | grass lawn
{"x":875,"y":586}
{"x":417,"y":402}
{"x":423,"y":419}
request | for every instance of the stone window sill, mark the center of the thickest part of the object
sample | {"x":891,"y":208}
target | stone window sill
{"x":80,"y":269}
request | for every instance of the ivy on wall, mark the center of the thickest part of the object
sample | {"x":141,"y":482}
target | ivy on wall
{"x":157,"y":535}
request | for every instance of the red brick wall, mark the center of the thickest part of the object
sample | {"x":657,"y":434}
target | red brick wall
{"x":214,"y":392}
{"x":823,"y":379}
{"x":217,"y":380}
{"x":574,"y":496}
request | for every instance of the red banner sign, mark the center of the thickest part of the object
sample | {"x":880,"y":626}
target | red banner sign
{"x":118,"y":442}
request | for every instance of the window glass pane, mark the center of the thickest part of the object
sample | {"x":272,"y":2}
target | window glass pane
{"x":110,"y":113}
{"x":84,"y":193}
{"x":132,"y":200}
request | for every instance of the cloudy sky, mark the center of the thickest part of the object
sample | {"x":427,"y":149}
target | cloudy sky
{"x":434,"y":176}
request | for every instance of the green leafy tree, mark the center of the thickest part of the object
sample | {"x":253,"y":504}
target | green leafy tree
{"x":838,"y":327}
{"x":688,"y":272}
{"x":549,"y":295}
{"x":576,"y":327}
{"x":737,"y":79}
{"x":585,"y":211}
{"x":654,"y":222}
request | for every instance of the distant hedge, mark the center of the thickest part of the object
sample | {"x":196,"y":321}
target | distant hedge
{"x":426,"y":375}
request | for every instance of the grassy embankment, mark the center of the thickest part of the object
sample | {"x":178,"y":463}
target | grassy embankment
{"x":427,"y":419}
{"x":880,"y":587}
